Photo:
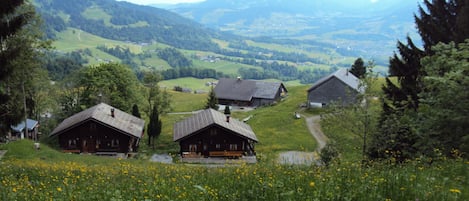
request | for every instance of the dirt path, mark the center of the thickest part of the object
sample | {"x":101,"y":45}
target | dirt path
{"x":306,"y":158}
{"x":315,"y":130}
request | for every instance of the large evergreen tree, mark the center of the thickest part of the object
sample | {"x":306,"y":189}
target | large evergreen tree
{"x":154,"y":126}
{"x":21,"y":45}
{"x":212,"y":100}
{"x":444,"y":110}
{"x":441,"y":21}
{"x":358,"y":68}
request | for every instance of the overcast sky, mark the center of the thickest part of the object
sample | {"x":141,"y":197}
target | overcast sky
{"x":148,"y":2}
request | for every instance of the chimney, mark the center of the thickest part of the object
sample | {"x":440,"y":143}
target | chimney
{"x":228,"y":118}
{"x":112,"y":112}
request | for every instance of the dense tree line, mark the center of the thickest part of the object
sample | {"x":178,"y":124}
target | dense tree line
{"x":191,"y":72}
{"x":60,"y":65}
{"x":174,"y":58}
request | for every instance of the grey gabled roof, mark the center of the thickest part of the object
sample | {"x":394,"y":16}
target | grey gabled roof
{"x":101,"y":113}
{"x":245,"y":90}
{"x":267,"y":90}
{"x":235,"y":89}
{"x":208,"y":118}
{"x":342,"y":75}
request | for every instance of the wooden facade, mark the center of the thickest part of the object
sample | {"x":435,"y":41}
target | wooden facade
{"x":101,"y":129}
{"x":216,"y":142}
{"x":94,"y":137}
{"x":210,"y":133}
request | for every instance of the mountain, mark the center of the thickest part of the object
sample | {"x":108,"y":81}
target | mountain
{"x":125,"y":22}
{"x":143,"y":37}
{"x":368,"y":27}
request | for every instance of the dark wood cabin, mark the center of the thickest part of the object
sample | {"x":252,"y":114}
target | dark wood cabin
{"x":210,"y":133}
{"x":252,"y":93}
{"x":101,"y":129}
{"x":341,"y":87}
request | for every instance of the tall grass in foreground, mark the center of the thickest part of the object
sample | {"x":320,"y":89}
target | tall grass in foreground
{"x":38,"y":179}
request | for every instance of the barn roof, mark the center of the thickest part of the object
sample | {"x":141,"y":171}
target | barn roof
{"x":101,"y":113}
{"x":245,"y":90}
{"x":208,"y":118}
{"x":342,"y":75}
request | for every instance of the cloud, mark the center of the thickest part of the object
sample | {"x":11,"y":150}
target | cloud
{"x":374,"y":1}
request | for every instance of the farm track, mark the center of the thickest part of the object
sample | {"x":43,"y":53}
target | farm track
{"x":306,"y":158}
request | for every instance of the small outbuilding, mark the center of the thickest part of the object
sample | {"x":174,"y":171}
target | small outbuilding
{"x":32,"y":128}
{"x":101,"y":129}
{"x":252,"y":93}
{"x":210,"y":133}
{"x":341,"y":87}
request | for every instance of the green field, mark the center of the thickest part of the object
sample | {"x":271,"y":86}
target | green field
{"x":47,"y":174}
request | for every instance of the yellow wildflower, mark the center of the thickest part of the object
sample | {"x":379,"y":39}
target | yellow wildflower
{"x":59,"y":189}
{"x":454,"y":190}
{"x":311,"y":184}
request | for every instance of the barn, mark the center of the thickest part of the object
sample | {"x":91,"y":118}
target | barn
{"x":101,"y":129}
{"x":252,"y":93}
{"x":340,"y":87}
{"x":210,"y":133}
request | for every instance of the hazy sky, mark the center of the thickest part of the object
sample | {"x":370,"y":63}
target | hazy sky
{"x":148,"y":2}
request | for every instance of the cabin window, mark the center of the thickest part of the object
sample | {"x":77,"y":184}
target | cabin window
{"x":233,"y":147}
{"x":115,"y":143}
{"x":213,"y":132}
{"x":193,"y":148}
{"x":217,"y":146}
{"x":72,"y":143}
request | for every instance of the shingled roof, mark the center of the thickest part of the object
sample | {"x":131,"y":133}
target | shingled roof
{"x":101,"y":113}
{"x":342,"y":75}
{"x":245,"y":90}
{"x":209,"y":117}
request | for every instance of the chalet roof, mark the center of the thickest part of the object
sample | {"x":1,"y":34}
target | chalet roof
{"x":342,"y":75}
{"x":245,"y":90}
{"x":101,"y":113}
{"x":20,"y":127}
{"x":208,"y":118}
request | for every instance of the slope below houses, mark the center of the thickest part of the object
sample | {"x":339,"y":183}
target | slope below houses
{"x":253,"y":93}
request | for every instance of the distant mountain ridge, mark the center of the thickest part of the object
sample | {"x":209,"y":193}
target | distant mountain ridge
{"x":360,"y":24}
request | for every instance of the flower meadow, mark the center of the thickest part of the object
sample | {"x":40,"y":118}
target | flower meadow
{"x":133,"y":179}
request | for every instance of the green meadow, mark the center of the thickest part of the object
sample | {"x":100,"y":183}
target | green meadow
{"x":47,"y":174}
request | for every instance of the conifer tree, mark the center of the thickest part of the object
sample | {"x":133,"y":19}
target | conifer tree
{"x":135,"y":111}
{"x":154,"y":126}
{"x":440,"y":21}
{"x":358,"y":68}
{"x":212,"y":101}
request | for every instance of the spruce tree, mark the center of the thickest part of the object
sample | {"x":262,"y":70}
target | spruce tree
{"x":135,"y":111}
{"x":212,"y":101}
{"x":154,"y":126}
{"x":358,"y":68}
{"x":440,"y":21}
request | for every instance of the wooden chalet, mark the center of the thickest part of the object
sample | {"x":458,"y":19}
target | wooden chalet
{"x":251,"y":93}
{"x":101,"y":129}
{"x":340,"y":87}
{"x":210,"y":133}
